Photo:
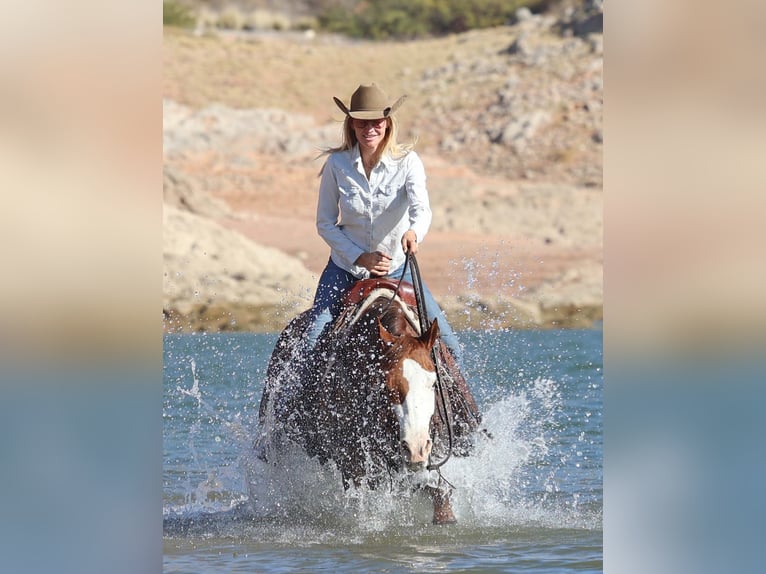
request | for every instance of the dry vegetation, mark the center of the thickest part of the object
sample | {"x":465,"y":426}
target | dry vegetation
{"x":302,"y":75}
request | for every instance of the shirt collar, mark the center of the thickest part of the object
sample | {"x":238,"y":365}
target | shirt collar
{"x":387,"y":159}
{"x":356,"y":157}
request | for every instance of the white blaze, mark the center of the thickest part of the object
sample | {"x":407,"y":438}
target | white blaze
{"x":416,"y":410}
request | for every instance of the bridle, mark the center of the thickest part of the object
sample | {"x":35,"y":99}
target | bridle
{"x":443,"y":399}
{"x":443,"y":402}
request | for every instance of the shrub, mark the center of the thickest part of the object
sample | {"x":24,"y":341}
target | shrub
{"x":231,"y":19}
{"x":177,"y":15}
{"x":378,"y":19}
{"x":336,"y":19}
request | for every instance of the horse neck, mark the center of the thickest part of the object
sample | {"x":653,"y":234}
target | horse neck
{"x":407,"y":345}
{"x":396,"y":320}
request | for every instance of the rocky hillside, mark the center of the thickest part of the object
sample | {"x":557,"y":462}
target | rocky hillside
{"x":508,"y":122}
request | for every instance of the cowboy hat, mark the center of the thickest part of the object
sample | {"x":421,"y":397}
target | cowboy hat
{"x":369,"y":103}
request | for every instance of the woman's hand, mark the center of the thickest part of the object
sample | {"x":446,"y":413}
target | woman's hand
{"x":377,"y":263}
{"x":410,"y":242}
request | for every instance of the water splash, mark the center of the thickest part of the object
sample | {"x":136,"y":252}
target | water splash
{"x":499,"y":486}
{"x":207,"y":490}
{"x":527,"y":475}
{"x":194,"y":391}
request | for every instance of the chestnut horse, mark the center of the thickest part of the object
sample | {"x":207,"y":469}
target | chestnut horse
{"x":367,"y":396}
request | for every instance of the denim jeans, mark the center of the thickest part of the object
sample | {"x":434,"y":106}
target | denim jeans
{"x":335,"y":281}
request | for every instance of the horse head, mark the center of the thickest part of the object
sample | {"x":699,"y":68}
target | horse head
{"x":410,"y":381}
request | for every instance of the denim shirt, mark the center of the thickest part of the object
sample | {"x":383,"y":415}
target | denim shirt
{"x":356,"y":216}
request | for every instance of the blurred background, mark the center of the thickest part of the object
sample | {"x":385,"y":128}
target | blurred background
{"x":504,"y":100}
{"x":84,"y":96}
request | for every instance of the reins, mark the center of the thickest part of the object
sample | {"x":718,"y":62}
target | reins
{"x":445,"y":412}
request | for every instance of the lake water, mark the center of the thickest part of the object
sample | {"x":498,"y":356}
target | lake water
{"x":528,"y":500}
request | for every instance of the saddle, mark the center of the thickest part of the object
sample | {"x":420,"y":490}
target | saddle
{"x":360,"y":290}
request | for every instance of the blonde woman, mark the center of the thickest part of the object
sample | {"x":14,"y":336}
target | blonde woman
{"x":372,"y":209}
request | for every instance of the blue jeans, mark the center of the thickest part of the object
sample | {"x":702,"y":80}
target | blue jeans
{"x":328,"y":304}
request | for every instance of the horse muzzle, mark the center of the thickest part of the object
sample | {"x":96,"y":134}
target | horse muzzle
{"x":416,"y":458}
{"x":416,"y":466}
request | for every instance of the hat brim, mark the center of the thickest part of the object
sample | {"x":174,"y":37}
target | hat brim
{"x":369,"y":114}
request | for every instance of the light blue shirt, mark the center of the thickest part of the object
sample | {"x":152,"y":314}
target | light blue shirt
{"x":356,"y":216}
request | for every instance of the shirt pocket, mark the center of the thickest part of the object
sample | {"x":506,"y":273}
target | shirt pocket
{"x":351,"y":199}
{"x":391,"y":194}
{"x":389,"y":189}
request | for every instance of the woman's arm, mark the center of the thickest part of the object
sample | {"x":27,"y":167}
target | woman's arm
{"x":419,"y":206}
{"x":346,"y":251}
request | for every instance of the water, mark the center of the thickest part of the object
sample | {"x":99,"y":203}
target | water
{"x":528,"y":500}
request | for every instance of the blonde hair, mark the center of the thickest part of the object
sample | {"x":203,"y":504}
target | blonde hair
{"x":389,"y":144}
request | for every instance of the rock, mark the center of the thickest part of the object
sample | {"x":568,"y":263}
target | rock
{"x":523,"y":14}
{"x":598,"y":136}
{"x":497,"y":312}
{"x":184,"y":193}
{"x":519,"y":131}
{"x":596,"y":42}
{"x":585,"y":19}
{"x":214,"y":277}
{"x":519,"y":47}
{"x":576,"y":295}
{"x":218,"y":127}
{"x":540,"y":70}
{"x":574,"y":299}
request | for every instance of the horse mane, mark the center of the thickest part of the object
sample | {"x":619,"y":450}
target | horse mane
{"x":396,"y":321}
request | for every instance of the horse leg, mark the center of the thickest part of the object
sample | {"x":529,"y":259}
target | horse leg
{"x":442,"y":507}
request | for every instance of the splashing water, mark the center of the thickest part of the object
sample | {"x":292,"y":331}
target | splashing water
{"x":194,"y":391}
{"x":537,"y":466}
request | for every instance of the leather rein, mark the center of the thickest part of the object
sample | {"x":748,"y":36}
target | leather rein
{"x":445,"y":411}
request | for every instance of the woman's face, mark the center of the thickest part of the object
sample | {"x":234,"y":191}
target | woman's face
{"x":370,"y":133}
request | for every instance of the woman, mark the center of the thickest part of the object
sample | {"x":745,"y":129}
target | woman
{"x":373,"y":208}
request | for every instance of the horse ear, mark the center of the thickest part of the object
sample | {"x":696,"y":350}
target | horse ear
{"x":387,"y":337}
{"x":431,"y":335}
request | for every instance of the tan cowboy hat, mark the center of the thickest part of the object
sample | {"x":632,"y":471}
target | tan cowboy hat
{"x":369,"y":103}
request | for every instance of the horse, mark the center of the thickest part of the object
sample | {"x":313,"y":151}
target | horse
{"x":378,"y":395}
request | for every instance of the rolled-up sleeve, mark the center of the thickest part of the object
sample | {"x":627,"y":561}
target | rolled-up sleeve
{"x":417,"y":194}
{"x":344,"y":251}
